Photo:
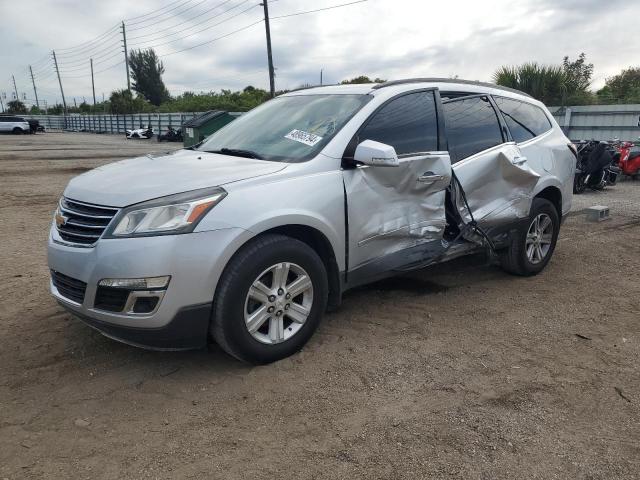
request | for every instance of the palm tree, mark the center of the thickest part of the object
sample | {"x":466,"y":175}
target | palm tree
{"x":547,"y":83}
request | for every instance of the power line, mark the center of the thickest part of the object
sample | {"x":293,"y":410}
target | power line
{"x":161,"y":14}
{"x":152,"y":12}
{"x":106,"y":53}
{"x":96,"y":48}
{"x":105,"y":46}
{"x":43,"y":70}
{"x":79,"y":65}
{"x":84,"y":44}
{"x":144,"y":27}
{"x":201,"y":30}
{"x":43,"y":59}
{"x":319,"y":9}
{"x":62,"y":74}
{"x":215,"y":39}
{"x":186,"y":21}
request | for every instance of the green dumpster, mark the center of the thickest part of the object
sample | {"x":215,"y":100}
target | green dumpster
{"x":203,"y":125}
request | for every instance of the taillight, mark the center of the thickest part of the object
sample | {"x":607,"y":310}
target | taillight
{"x":573,"y":149}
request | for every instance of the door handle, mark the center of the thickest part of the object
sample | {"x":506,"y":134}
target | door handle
{"x":430,"y":177}
{"x":518,"y":160}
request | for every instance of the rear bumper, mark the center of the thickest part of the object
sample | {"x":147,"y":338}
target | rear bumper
{"x":187,"y":330}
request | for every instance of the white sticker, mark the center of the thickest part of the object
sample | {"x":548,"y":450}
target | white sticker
{"x":303,"y":137}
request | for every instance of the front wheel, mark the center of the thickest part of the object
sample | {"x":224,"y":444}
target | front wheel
{"x":270,"y":299}
{"x":533,"y":246}
{"x":18,"y":131}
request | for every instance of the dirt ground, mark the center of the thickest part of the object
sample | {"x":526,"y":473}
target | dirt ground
{"x":456,"y":372}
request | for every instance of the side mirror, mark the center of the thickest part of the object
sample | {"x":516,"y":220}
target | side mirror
{"x":376,"y":154}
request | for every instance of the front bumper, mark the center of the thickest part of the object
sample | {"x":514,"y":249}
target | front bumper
{"x":194,"y":261}
{"x":186,"y":331}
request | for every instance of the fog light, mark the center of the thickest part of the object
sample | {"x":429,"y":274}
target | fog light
{"x":145,"y":304}
{"x":150,"y":283}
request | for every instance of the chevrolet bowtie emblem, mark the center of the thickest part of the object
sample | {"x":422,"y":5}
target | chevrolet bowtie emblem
{"x":60,"y":220}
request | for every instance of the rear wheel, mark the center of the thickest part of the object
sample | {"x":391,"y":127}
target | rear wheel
{"x":270,"y":299}
{"x":579,"y":183}
{"x":533,"y":246}
{"x":17,"y":130}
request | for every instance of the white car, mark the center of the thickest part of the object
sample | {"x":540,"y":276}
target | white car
{"x":247,"y":238}
{"x":13,"y":124}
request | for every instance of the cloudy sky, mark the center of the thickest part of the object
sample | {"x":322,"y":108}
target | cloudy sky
{"x":380,"y":38}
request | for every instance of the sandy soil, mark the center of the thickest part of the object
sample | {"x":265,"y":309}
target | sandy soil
{"x":456,"y":372}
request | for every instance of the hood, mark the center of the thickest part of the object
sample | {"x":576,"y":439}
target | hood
{"x":143,"y":178}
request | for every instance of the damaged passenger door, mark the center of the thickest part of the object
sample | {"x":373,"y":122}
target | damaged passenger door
{"x":494,"y":174}
{"x":396,"y":214}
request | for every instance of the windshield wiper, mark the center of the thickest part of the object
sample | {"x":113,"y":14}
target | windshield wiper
{"x":237,"y":152}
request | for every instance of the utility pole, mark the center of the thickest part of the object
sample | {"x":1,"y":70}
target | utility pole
{"x":320,"y":77}
{"x":15,"y":89}
{"x":272,"y":86}
{"x":34,"y":87}
{"x":64,"y":102}
{"x":126,"y":55}
{"x":74,"y":102}
{"x":2,"y":103}
{"x":93,"y":86}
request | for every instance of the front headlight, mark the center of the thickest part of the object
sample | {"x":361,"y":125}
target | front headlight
{"x":167,"y":215}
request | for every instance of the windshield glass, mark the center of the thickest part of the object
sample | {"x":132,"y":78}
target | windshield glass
{"x":289,"y":129}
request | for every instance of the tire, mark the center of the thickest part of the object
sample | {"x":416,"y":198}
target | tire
{"x":516,"y":259}
{"x":18,"y":131}
{"x":579,"y":185}
{"x":234,"y":306}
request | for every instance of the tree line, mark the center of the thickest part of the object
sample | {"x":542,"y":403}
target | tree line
{"x":567,"y":83}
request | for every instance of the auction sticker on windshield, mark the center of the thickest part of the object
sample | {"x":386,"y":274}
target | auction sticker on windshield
{"x":303,"y":137}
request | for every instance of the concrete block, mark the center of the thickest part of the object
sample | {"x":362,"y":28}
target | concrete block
{"x":598,"y":213}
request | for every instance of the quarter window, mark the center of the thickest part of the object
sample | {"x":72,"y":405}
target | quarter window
{"x":472,"y":126}
{"x":525,"y":121}
{"x":408,"y":123}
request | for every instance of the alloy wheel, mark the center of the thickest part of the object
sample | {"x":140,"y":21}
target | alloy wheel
{"x":278,"y":303}
{"x":539,"y":238}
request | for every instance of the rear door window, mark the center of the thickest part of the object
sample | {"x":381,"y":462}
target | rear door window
{"x":525,"y":121}
{"x":408,"y":123}
{"x":472,"y":126}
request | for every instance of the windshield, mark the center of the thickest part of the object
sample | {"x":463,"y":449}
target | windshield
{"x":289,"y":129}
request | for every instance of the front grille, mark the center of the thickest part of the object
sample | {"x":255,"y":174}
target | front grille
{"x":111,"y":299}
{"x":69,"y":287}
{"x":84,"y":223}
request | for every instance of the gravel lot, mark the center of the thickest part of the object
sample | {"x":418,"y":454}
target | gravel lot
{"x":460,"y":371}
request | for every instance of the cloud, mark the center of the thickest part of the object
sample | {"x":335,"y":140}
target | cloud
{"x":405,"y":38}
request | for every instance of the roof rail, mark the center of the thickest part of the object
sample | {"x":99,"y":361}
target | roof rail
{"x":448,"y":80}
{"x":312,"y":86}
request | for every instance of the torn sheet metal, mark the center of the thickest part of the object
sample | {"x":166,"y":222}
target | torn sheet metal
{"x":498,"y":185}
{"x":390,"y":208}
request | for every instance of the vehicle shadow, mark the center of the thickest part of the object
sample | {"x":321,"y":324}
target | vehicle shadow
{"x":464,"y":271}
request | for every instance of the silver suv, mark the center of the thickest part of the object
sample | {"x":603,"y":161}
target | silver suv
{"x":249,"y":237}
{"x":13,"y":124}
